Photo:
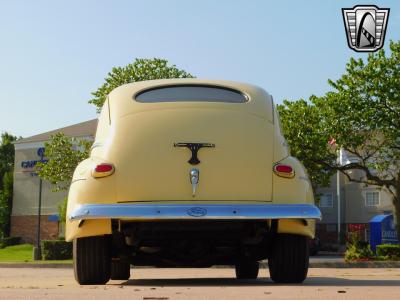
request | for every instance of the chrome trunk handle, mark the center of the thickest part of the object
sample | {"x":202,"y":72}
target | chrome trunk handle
{"x":194,"y":179}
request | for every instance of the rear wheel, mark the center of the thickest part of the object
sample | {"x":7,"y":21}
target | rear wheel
{"x":120,"y":270}
{"x":247,"y":270}
{"x":288,"y":260}
{"x":92,"y":262}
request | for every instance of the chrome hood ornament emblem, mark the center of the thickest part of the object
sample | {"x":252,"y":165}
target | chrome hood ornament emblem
{"x":194,"y":179}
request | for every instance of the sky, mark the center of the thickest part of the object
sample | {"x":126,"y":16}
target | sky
{"x":53,"y":54}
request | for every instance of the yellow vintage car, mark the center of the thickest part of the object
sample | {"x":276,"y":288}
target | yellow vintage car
{"x":190,"y":173}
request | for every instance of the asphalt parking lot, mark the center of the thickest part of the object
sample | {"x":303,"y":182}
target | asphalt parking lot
{"x":168,"y":284}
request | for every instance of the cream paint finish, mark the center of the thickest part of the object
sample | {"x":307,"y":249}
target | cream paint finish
{"x":151,"y":168}
{"x":121,"y":99}
{"x":138,"y":139}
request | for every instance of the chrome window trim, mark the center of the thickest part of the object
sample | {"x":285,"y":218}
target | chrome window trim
{"x":195,"y":211}
{"x":198,"y":85}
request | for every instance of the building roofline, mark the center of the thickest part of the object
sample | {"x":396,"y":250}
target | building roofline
{"x":82,"y":129}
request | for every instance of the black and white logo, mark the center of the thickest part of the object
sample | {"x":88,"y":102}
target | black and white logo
{"x":365,"y":27}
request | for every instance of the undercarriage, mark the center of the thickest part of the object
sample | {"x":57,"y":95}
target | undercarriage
{"x":191,"y":243}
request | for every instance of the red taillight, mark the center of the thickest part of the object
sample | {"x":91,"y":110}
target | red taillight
{"x":284,"y":170}
{"x":103,"y":170}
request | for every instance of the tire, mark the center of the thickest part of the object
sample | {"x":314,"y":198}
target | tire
{"x":92,"y":261}
{"x":288,"y":260}
{"x":247,"y":270}
{"x":120,"y":270}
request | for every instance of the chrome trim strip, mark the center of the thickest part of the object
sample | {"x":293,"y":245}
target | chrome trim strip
{"x":195,"y":211}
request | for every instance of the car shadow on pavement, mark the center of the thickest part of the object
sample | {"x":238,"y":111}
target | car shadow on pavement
{"x":311,"y":281}
{"x":195,"y":282}
{"x":338,"y":281}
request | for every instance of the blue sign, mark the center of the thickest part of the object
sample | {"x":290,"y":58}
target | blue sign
{"x":29,"y":165}
{"x":53,"y":218}
{"x":40,"y":152}
{"x":382,"y":231}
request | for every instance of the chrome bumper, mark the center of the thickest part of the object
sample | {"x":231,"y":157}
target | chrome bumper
{"x":195,"y":211}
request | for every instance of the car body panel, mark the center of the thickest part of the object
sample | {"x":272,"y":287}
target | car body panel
{"x":138,"y":139}
{"x":233,"y":170}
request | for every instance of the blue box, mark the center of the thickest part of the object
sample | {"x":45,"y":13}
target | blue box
{"x":382,"y":231}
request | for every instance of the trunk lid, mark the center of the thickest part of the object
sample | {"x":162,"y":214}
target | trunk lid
{"x":150,"y":168}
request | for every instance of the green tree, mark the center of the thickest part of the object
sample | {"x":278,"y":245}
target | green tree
{"x":305,"y":131}
{"x":6,"y":195}
{"x":63,"y":154}
{"x":362,"y":115}
{"x":6,"y":154}
{"x":6,"y":181}
{"x":141,"y":69}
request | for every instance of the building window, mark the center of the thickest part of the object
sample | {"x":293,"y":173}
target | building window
{"x":326,"y":200}
{"x":372,"y":198}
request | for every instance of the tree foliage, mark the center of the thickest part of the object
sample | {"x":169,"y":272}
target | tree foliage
{"x":63,"y":154}
{"x":6,"y":181}
{"x":306,"y":135}
{"x":141,"y":69}
{"x":6,"y":195}
{"x":62,"y":210}
{"x":6,"y":154}
{"x":362,"y":114}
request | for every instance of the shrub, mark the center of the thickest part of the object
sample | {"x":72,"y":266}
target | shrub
{"x":388,"y":251}
{"x":10,"y":241}
{"x":357,"y":249}
{"x":56,"y":249}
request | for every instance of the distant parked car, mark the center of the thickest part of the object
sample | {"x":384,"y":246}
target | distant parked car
{"x":190,"y":173}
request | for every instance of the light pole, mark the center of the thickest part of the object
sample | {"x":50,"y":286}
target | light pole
{"x":338,"y":203}
{"x":37,"y":253}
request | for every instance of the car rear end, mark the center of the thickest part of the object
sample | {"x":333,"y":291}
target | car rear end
{"x":188,"y":173}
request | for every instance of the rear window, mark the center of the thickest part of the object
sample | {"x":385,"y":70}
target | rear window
{"x":195,"y":93}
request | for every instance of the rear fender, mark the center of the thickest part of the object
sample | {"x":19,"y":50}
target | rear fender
{"x":85,"y":189}
{"x":296,"y":190}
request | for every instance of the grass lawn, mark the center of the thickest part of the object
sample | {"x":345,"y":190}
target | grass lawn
{"x":23,"y":253}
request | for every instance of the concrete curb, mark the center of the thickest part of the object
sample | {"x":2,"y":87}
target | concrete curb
{"x":36,"y":265}
{"x":362,"y":264}
{"x":366,"y":264}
